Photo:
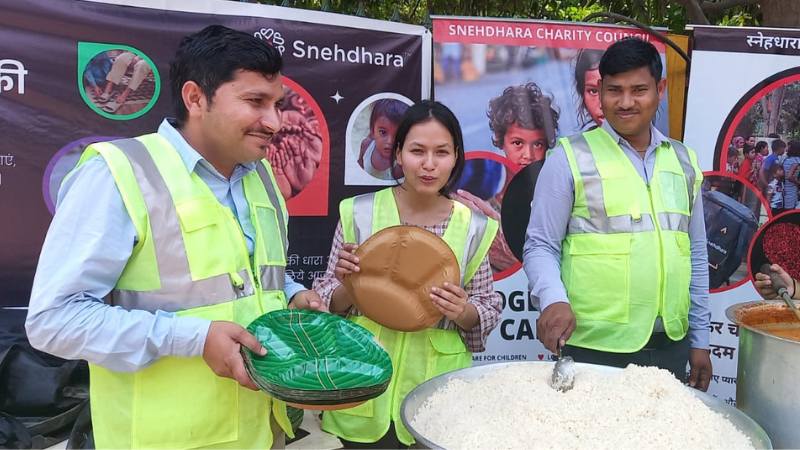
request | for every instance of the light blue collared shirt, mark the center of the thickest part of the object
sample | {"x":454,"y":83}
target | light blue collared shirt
{"x":552,"y":206}
{"x":87,"y":246}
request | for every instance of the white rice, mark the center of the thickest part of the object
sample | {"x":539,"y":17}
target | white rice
{"x":515,"y":408}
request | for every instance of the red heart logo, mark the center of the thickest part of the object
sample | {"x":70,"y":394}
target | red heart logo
{"x":541,"y":356}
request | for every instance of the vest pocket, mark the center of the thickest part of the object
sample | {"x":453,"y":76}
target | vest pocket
{"x":674,"y":194}
{"x":202,"y":228}
{"x":449,"y":352}
{"x":267,"y":221}
{"x":181,"y":403}
{"x":599,"y":277}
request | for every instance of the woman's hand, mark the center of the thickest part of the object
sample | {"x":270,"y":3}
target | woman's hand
{"x":347,"y":262}
{"x":764,"y":284}
{"x":475,"y":203}
{"x":450,"y":300}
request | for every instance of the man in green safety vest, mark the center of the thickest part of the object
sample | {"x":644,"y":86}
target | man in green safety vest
{"x":163,"y":247}
{"x":616,"y":245}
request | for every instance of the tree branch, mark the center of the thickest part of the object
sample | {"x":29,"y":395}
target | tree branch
{"x":694,"y":12}
{"x":714,"y":8}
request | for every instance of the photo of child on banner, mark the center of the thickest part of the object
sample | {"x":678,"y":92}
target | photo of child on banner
{"x":523,"y":124}
{"x":370,"y":137}
{"x":375,"y":156}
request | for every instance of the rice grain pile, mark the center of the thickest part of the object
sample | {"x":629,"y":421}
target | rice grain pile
{"x":515,"y":408}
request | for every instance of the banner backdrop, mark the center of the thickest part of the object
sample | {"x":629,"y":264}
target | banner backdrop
{"x":516,"y":86}
{"x":744,"y":90}
{"x":77,"y":72}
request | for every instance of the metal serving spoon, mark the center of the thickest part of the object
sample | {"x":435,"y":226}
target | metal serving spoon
{"x":563,"y":378}
{"x":779,"y":286}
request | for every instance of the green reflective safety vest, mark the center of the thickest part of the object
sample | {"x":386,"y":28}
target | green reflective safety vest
{"x":416,"y":356}
{"x":626,"y":258}
{"x":190,"y":259}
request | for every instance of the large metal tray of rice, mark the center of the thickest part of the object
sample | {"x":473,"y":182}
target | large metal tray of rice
{"x":512,"y":406}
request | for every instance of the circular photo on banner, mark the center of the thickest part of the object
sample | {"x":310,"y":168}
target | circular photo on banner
{"x":296,"y":151}
{"x":778,"y":242}
{"x":760,"y":128}
{"x":370,"y":140}
{"x":733,"y":210}
{"x":516,"y":211}
{"x":117,"y":82}
{"x":482,"y":187}
{"x":64,"y":160}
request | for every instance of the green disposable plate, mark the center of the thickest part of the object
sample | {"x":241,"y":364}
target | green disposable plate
{"x":316,"y":358}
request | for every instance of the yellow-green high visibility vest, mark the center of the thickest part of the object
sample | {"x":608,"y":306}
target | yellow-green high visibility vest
{"x":626,"y":258}
{"x":190,"y":259}
{"x":416,"y":356}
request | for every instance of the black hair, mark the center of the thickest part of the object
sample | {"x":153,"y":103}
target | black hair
{"x":777,"y":144}
{"x":760,"y":145}
{"x":389,"y":108}
{"x":211,"y":57}
{"x":425,"y":111}
{"x":628,"y":54}
{"x":774,"y":168}
{"x":793,"y":148}
{"x":586,"y":60}
{"x":526,"y":106}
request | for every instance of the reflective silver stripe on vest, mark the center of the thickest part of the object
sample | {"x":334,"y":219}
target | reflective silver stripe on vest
{"x":178,"y":291}
{"x":274,"y":201}
{"x":209,"y":291}
{"x":688,"y":170}
{"x":614,"y":224}
{"x":592,"y":183}
{"x":673,"y":222}
{"x":599,"y":222}
{"x":476,"y":230}
{"x":363,"y":206}
{"x":272,"y":277}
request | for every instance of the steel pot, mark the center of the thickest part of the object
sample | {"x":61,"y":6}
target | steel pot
{"x":767,"y":386}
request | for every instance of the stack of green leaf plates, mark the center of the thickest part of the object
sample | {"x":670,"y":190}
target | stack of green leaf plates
{"x":316,"y":358}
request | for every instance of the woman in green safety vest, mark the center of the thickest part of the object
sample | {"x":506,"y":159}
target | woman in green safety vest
{"x":429,"y":149}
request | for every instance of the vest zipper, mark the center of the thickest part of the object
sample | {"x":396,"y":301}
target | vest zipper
{"x":251,"y":269}
{"x":657,"y":226}
{"x":400,"y":371}
{"x":661,"y":275}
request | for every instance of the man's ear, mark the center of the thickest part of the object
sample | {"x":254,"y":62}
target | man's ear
{"x":662,"y":88}
{"x":193,"y":99}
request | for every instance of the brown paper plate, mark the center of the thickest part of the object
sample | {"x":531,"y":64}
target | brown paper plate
{"x":399,"y":266}
{"x":325,"y":407}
